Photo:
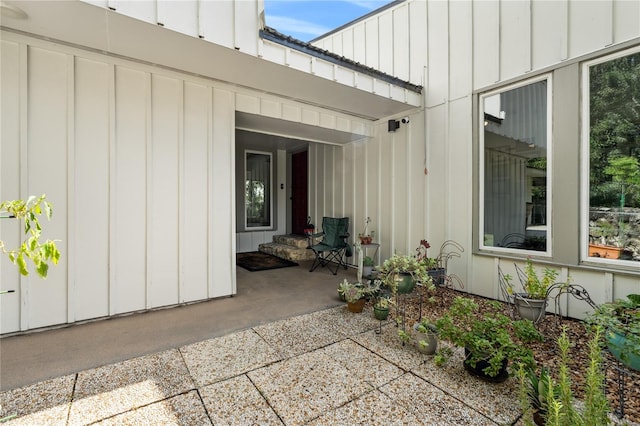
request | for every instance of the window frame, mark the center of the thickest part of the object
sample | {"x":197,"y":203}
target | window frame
{"x":585,"y":163}
{"x":271,"y":198}
{"x":548,"y":77}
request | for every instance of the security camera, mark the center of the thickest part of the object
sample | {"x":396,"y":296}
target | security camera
{"x":405,"y":120}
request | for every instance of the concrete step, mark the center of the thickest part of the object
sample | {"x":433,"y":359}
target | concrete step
{"x":299,"y":241}
{"x":285,"y":251}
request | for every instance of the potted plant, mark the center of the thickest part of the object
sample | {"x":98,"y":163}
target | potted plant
{"x":535,"y":388}
{"x":381,"y":308}
{"x":491,"y":341}
{"x":621,"y":322}
{"x":401,"y":274}
{"x":531,"y":302}
{"x":367,"y":266}
{"x":366,"y":238}
{"x":426,"y":334}
{"x":437,"y":266}
{"x":354,"y":294}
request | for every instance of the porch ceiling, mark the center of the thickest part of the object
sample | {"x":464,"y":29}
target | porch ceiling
{"x":89,"y":26}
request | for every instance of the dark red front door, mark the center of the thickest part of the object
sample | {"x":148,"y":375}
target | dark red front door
{"x":299,"y":192}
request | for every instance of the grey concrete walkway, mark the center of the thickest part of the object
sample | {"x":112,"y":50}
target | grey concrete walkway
{"x":328,"y":367}
{"x":262,"y":297}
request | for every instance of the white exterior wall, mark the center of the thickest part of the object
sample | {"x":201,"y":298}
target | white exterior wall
{"x":463,"y":47}
{"x":133,"y":160}
{"x":138,"y":162}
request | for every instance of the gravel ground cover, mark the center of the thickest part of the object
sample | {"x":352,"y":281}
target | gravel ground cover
{"x":546,"y":353}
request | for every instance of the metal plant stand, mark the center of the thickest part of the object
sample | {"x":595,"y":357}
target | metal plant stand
{"x":622,"y":373}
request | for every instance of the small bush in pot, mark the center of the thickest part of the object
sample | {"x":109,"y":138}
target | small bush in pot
{"x":491,"y":340}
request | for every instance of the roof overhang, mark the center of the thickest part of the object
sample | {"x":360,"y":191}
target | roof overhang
{"x":88,"y":26}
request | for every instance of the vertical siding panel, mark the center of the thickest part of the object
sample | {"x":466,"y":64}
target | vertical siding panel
{"x":350,"y":185}
{"x":460,"y":49}
{"x":179,"y":16}
{"x":373,"y":43}
{"x":416,"y":162}
{"x":549,"y":32}
{"x":590,"y":28}
{"x":385,"y":166}
{"x":92,"y":129}
{"x":216,"y":22}
{"x":438,"y":55}
{"x":418,"y":41}
{"x":360,"y":193}
{"x":486,"y":43}
{"x":195,"y":194}
{"x":223,"y":182}
{"x":460,"y":163}
{"x":47,"y":174}
{"x":401,"y":42}
{"x":372,"y":187}
{"x":246,"y":26}
{"x":359,"y":44}
{"x":515,"y":45}
{"x":163,"y":213}
{"x":129,"y":253}
{"x":321,"y":176}
{"x":385,"y":43}
{"x":626,"y":19}
{"x":436,"y":130}
{"x":142,"y":10}
{"x":11,"y":85}
{"x":339,"y":179}
{"x":348,"y":47}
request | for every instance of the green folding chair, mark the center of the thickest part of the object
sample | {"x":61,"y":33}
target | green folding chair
{"x":333,"y":248}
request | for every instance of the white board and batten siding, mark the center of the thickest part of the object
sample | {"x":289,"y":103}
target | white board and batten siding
{"x":136,"y":162}
{"x":230,"y":23}
{"x":458,"y":48}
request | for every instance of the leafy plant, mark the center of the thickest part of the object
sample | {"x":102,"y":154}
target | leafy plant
{"x":621,"y":317}
{"x":367,"y":261}
{"x":408,"y":264}
{"x":353,"y":292}
{"x":533,"y":286}
{"x":554,"y":400}
{"x":40,"y":253}
{"x":492,"y":337}
{"x":383,"y":303}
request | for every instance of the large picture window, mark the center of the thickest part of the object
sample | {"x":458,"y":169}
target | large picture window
{"x":611,"y":136}
{"x":258,"y":172}
{"x":515,"y":167}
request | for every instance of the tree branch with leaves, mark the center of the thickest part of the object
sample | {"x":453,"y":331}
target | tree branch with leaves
{"x":38,"y":252}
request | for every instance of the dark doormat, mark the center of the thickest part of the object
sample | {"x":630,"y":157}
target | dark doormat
{"x":258,"y":261}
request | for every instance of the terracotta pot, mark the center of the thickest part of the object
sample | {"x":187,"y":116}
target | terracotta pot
{"x":607,"y":252}
{"x":356,"y":306}
{"x":366,"y":240}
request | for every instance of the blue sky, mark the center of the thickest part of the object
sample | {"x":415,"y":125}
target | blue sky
{"x":308,"y":19}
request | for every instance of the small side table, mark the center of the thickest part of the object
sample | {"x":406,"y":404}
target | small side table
{"x":372,"y":246}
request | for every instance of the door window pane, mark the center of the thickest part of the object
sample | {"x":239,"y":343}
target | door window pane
{"x":613,"y":131}
{"x":257,"y":190}
{"x":515,"y":162}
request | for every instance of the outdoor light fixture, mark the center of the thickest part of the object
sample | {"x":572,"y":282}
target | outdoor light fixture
{"x":393,"y":125}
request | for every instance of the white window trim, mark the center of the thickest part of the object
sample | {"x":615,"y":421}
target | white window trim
{"x":586,"y":164}
{"x":481,"y":159}
{"x":244,"y":210}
